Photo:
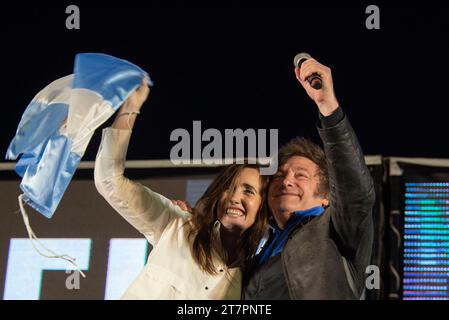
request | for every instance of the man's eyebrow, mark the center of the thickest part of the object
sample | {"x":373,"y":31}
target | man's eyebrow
{"x":301,"y":168}
{"x":294,"y":169}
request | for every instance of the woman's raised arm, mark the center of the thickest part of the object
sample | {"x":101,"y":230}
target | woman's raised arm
{"x":148,"y":211}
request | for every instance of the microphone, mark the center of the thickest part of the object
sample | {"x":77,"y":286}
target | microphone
{"x":314,"y":80}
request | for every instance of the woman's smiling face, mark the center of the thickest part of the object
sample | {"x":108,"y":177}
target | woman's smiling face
{"x":238,"y":211}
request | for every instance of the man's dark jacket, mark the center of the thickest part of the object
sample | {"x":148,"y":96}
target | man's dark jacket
{"x":326,"y":258}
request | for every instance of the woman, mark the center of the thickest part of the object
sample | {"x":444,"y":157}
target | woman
{"x":194,"y":256}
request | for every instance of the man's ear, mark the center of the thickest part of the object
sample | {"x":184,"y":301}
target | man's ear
{"x":325,"y":202}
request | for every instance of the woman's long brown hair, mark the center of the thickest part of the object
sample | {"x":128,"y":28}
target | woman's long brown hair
{"x":205,"y":215}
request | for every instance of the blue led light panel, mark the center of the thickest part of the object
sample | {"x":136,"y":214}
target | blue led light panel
{"x":426,"y":241}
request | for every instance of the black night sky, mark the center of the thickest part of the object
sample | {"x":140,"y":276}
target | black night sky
{"x":231,"y":67}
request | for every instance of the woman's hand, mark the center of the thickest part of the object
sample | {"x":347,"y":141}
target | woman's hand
{"x":129,"y":110}
{"x":137,"y":98}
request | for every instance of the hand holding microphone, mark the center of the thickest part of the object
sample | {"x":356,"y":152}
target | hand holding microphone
{"x":316,"y":79}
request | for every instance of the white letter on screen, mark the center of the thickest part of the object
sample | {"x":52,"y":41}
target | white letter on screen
{"x":25,"y":265}
{"x":126,"y":259}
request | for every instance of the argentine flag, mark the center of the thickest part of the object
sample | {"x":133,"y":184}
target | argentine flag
{"x":58,"y":124}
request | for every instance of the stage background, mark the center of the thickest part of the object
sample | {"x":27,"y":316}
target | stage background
{"x":417,"y":202}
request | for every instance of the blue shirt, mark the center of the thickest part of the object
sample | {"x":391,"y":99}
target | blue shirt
{"x":279,"y":236}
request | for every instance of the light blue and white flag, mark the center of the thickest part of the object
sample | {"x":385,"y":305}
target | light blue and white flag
{"x":58,"y":124}
{"x":56,"y":128}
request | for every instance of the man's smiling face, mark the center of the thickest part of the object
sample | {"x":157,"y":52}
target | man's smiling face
{"x":294,"y":187}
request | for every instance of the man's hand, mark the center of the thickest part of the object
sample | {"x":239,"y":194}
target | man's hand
{"x":324,"y":97}
{"x":184,"y":205}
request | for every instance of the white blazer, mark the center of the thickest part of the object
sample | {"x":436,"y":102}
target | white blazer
{"x":171,"y":271}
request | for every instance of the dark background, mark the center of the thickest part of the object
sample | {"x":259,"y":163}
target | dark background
{"x":231,"y":67}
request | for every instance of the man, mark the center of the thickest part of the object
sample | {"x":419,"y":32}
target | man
{"x":321,"y":203}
